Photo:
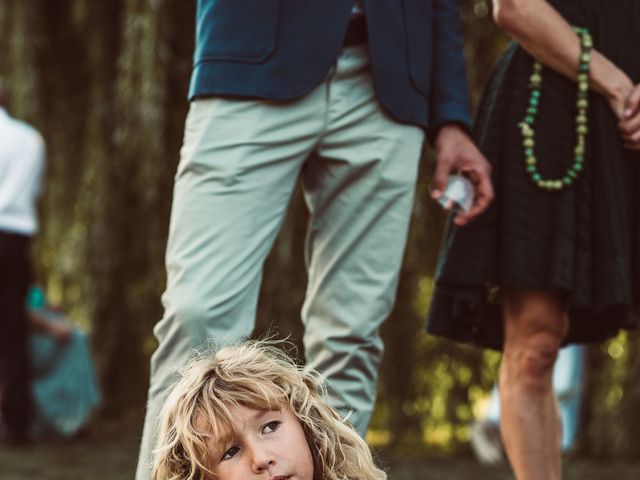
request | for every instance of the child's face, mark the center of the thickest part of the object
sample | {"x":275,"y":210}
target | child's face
{"x":268,"y":445}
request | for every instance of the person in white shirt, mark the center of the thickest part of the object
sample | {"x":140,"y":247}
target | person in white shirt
{"x":22,"y":154}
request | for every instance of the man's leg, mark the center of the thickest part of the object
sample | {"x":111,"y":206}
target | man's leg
{"x":535,"y":325}
{"x":360,"y":190}
{"x":14,"y":354}
{"x":239,"y":164}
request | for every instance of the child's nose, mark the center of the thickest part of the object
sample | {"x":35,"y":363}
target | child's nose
{"x":262,"y":459}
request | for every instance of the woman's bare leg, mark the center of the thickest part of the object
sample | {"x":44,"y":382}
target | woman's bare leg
{"x":535,"y":326}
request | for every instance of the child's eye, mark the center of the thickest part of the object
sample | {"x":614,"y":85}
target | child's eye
{"x":229,"y":453}
{"x":271,"y":427}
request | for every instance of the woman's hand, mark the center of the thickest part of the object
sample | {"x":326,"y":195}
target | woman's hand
{"x":617,"y":99}
{"x":57,"y":329}
{"x":616,"y":88}
{"x":60,"y":331}
{"x":630,"y":122}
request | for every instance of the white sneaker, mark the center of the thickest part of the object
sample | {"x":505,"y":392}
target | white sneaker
{"x":486,"y":443}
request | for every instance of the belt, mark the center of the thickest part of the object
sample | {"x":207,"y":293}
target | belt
{"x":356,"y":32}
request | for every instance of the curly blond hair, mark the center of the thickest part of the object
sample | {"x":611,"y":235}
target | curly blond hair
{"x":257,"y":375}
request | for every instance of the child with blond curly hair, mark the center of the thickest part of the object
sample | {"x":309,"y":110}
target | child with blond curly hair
{"x":249,"y":412}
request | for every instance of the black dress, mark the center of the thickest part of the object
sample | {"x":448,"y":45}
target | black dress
{"x":584,"y":240}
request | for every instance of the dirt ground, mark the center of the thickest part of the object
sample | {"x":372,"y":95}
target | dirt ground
{"x":111,"y":455}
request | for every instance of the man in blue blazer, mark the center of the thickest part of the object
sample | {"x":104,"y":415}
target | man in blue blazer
{"x":339,"y":93}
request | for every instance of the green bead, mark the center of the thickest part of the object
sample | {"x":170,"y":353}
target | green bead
{"x":581,"y":119}
{"x":526,"y":129}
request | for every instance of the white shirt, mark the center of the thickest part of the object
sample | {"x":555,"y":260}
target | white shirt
{"x":358,"y":8}
{"x":22,"y":154}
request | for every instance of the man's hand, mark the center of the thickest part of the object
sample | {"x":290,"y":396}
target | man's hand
{"x":457,"y":153}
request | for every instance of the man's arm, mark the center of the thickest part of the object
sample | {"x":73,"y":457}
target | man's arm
{"x":449,"y":96}
{"x":450,"y":117}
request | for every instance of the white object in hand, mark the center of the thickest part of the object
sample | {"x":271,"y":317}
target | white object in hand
{"x":458,"y":196}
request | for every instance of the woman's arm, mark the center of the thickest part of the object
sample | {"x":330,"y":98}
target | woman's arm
{"x":58,"y":330}
{"x":546,"y":35}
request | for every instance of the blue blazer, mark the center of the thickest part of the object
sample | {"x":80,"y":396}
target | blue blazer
{"x":282,"y":49}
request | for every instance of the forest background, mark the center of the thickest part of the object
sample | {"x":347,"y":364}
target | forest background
{"x":105,"y":82}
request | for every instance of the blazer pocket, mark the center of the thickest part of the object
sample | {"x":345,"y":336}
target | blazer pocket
{"x":418,"y":15}
{"x":236,"y":30}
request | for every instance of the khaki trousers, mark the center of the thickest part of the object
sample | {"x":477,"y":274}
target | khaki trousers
{"x":239,"y":165}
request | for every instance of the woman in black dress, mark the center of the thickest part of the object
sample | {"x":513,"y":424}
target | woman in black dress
{"x":556,"y":257}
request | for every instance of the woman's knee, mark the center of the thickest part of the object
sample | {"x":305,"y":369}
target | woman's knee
{"x":535,"y":328}
{"x":539,"y":357}
{"x":530,"y":361}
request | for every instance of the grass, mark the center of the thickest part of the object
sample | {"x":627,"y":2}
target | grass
{"x":109,"y":453}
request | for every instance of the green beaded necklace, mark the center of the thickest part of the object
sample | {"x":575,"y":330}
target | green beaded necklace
{"x":582,"y":104}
